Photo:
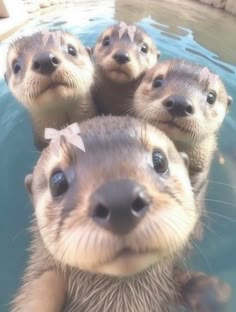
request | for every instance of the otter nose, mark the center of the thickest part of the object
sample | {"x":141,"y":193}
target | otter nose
{"x":178,"y":106}
{"x":121,"y":57}
{"x":119,"y":206}
{"x":45,"y":63}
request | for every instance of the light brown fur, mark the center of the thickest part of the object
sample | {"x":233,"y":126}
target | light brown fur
{"x":56,"y":99}
{"x":196,"y":135}
{"x":69,"y":245}
{"x":116,"y":83}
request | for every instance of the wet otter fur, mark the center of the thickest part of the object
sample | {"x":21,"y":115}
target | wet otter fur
{"x":120,"y":62}
{"x":50,"y":72}
{"x":188,"y":103}
{"x":124,"y":262}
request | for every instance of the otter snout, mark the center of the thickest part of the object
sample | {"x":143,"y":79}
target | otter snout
{"x":45,"y":62}
{"x":121,"y":57}
{"x":118,"y":206}
{"x":178,"y":106}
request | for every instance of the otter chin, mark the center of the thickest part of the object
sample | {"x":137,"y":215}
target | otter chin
{"x":52,"y":79}
{"x":121,"y":226}
{"x":128,"y":263}
{"x":119,"y":75}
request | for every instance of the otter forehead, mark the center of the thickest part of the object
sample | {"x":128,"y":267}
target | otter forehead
{"x":183,"y":77}
{"x":110,"y":139}
{"x":184,"y":71}
{"x":39,"y":40}
{"x":139,"y":34}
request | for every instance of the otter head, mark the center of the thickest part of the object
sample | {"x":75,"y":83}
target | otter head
{"x":118,"y":208}
{"x":184,"y":100}
{"x":48,"y":69}
{"x":122,"y":58}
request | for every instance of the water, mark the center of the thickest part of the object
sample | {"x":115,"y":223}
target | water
{"x":187,"y":30}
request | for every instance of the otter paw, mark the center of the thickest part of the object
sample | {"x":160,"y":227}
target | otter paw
{"x":203,"y":293}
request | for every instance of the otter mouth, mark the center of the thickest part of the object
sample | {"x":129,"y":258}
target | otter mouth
{"x":120,"y":71}
{"x":127,"y":262}
{"x":52,"y":86}
{"x":127,"y":253}
{"x":55,"y":85}
{"x":173,"y":124}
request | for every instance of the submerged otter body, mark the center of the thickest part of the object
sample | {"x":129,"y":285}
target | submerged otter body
{"x":51,"y":74}
{"x":188,"y":103}
{"x":108,"y":235}
{"x":120,"y":61}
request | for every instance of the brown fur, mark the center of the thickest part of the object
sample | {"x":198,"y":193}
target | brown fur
{"x":115,"y":83}
{"x":51,"y":106}
{"x":204,"y":293}
{"x":70,"y":247}
{"x":196,"y":135}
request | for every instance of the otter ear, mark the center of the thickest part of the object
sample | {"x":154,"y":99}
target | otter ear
{"x":90,"y":51}
{"x":230,"y":100}
{"x":185,"y":159}
{"x":5,"y":77}
{"x":158,"y":54}
{"x":28,"y":184}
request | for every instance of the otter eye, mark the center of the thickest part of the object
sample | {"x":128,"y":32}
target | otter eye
{"x":16,"y":67}
{"x":58,"y":183}
{"x":71,"y":50}
{"x":144,"y":48}
{"x":160,"y":162}
{"x":106,"y":41}
{"x":157,"y":82}
{"x":211,"y":97}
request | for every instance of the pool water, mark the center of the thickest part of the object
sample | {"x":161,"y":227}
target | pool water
{"x":182,"y":29}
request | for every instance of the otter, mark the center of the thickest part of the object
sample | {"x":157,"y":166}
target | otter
{"x":120,"y":61}
{"x":109,"y":233}
{"x":108,"y":237}
{"x":188,"y":103}
{"x":51,"y":74}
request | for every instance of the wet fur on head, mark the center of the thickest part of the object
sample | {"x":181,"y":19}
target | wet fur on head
{"x":139,"y":61}
{"x":182,"y":78}
{"x":115,"y":148}
{"x":74,"y":75}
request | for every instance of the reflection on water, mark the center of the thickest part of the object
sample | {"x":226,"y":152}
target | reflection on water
{"x":187,"y":30}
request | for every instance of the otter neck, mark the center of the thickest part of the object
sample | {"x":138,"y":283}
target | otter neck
{"x":112,"y":97}
{"x":152,"y":291}
{"x":200,"y":153}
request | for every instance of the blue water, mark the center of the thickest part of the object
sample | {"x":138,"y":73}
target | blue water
{"x":217,"y":254}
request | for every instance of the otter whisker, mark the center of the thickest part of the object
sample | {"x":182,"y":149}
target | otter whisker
{"x":223,"y":184}
{"x":220,"y":202}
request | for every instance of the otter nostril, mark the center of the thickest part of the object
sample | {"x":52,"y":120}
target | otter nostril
{"x":189,"y":109}
{"x":54,"y":60}
{"x":139,"y":205}
{"x":101,"y":212}
{"x":36,"y":65}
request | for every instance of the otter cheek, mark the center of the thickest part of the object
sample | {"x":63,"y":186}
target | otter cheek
{"x":220,"y":112}
{"x":177,"y":226}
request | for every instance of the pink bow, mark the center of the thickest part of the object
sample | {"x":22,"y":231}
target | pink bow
{"x":130,"y":29}
{"x":56,"y":37}
{"x":70,"y":133}
{"x":205,"y":74}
